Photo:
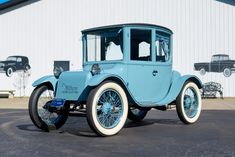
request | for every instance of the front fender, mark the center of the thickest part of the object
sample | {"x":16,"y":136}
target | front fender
{"x":97,"y":79}
{"x":177,"y":85}
{"x":45,"y":79}
{"x":75,"y":86}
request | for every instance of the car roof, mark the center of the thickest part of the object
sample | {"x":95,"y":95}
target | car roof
{"x":128,"y":25}
{"x":220,"y":55}
{"x":18,"y":56}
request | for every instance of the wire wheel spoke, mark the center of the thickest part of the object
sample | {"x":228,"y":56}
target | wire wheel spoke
{"x":43,"y":112}
{"x":190,"y":102}
{"x":109,"y":108}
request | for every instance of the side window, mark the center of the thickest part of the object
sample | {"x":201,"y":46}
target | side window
{"x":105,"y":45}
{"x":19,"y":59}
{"x":93,"y":45}
{"x":141,"y":45}
{"x":113,"y":52}
{"x":162,"y":47}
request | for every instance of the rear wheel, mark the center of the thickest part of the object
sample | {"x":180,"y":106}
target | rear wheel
{"x":39,"y":112}
{"x":136,"y":114}
{"x":27,"y":67}
{"x":188,"y":103}
{"x":227,"y":72}
{"x":107,"y":108}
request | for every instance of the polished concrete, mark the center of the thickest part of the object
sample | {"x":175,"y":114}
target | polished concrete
{"x":160,"y":134}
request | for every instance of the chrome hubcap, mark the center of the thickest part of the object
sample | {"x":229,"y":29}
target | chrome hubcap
{"x":109,"y":109}
{"x":190,"y":102}
{"x":43,"y":112}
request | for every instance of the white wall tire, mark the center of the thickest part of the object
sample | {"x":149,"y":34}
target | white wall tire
{"x":227,"y":72}
{"x":96,"y":112}
{"x":202,"y":71}
{"x":40,"y":116}
{"x":188,"y":106}
{"x":9,"y":72}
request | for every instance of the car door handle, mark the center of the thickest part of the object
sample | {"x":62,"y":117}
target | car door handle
{"x":154,"y":72}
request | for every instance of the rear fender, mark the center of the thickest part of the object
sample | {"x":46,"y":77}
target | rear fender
{"x":46,"y":79}
{"x":176,"y":86}
{"x":98,"y":79}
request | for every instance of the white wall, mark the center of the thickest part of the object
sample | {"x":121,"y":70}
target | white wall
{"x":49,"y":30}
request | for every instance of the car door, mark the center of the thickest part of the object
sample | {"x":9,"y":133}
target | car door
{"x":162,"y":66}
{"x":19,"y":63}
{"x":215,"y":66}
{"x":140,"y":67}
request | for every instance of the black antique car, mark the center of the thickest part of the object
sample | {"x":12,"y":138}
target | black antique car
{"x":14,"y":63}
{"x":219,"y":63}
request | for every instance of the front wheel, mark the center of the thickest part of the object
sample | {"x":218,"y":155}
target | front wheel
{"x":107,"y":108}
{"x":9,"y":71}
{"x":202,"y":71}
{"x":188,"y":103}
{"x":39,"y":112}
{"x":136,"y":114}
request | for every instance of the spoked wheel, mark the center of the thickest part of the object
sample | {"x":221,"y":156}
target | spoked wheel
{"x":107,"y":108}
{"x":39,"y":111}
{"x":136,"y":114}
{"x":188,"y":103}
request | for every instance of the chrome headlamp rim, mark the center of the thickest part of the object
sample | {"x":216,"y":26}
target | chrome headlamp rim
{"x":95,"y":69}
{"x":57,"y":71}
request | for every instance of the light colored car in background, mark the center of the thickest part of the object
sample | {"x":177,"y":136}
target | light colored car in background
{"x":127,"y":70}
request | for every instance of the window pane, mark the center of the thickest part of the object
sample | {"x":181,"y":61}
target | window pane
{"x":19,"y":60}
{"x":141,"y":45}
{"x":11,"y":58}
{"x":162,"y":47}
{"x":93,"y":47}
{"x":104,"y":45}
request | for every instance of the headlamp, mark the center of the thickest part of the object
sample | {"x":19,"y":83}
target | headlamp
{"x":95,"y":69}
{"x":57,"y":71}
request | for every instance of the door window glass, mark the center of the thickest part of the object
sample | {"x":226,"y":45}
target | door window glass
{"x":19,"y":60}
{"x":141,"y":45}
{"x":104,"y":45}
{"x":162,"y":47}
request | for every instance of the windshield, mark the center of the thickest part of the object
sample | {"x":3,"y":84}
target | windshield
{"x":11,"y":58}
{"x":219,"y":58}
{"x":104,"y":45}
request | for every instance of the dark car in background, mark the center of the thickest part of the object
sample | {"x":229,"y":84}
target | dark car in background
{"x":14,"y":63}
{"x":220,"y":63}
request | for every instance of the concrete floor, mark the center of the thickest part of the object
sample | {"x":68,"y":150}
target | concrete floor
{"x":160,"y":134}
{"x":208,"y":104}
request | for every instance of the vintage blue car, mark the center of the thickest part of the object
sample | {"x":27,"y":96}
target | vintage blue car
{"x":127,"y":70}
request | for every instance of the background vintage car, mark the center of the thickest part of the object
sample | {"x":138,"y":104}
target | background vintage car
{"x":14,"y":63}
{"x":219,"y":63}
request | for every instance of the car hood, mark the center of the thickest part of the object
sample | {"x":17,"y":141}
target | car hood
{"x":230,"y":61}
{"x":7,"y":62}
{"x":72,"y":89}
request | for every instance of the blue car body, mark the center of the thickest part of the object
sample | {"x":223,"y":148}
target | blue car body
{"x":147,"y":83}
